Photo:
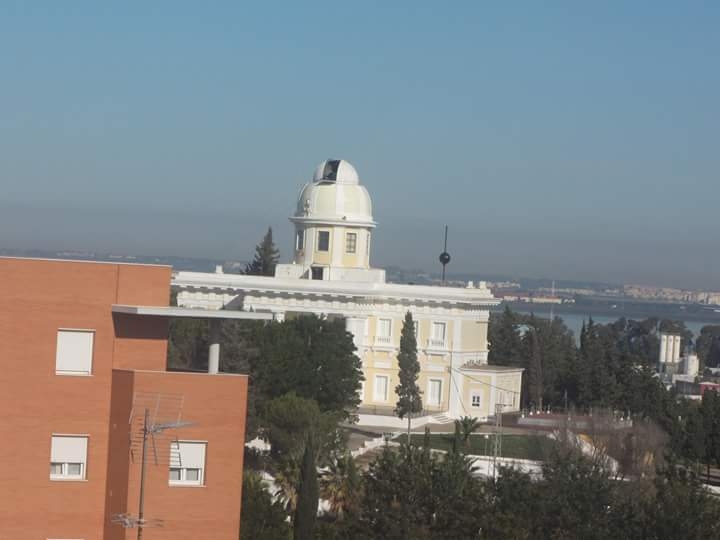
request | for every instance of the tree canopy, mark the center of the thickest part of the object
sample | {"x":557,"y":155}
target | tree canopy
{"x":313,"y":357}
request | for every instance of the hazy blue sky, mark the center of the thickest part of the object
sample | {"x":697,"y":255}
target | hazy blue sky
{"x":556,"y":139}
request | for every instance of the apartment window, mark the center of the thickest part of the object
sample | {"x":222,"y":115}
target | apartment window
{"x":74,"y":352}
{"x":323,"y":241}
{"x":434,"y":392}
{"x":350,"y":242}
{"x":300,"y":240}
{"x":187,"y":463}
{"x":381,"y":388}
{"x":68,"y":457}
{"x":475,"y":400}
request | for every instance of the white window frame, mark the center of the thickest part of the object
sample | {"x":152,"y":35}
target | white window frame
{"x":318,"y":241}
{"x":56,"y":457}
{"x":433,"y":340}
{"x":376,"y":394}
{"x":476,"y":394}
{"x":60,"y":352}
{"x":429,"y":393}
{"x":300,"y":240}
{"x":439,"y":324}
{"x":177,"y":465}
{"x":383,"y":339}
{"x":389,"y":327}
{"x":349,"y":244}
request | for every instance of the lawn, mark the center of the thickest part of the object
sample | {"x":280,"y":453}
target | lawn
{"x":535,"y":447}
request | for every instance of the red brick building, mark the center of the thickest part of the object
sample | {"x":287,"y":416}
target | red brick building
{"x":76,"y":376}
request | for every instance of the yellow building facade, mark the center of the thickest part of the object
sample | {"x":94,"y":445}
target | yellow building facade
{"x":330,"y":275}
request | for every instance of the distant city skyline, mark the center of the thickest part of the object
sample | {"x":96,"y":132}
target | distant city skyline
{"x":556,"y":141}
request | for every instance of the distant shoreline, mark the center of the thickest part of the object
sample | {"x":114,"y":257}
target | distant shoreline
{"x":630,"y":310}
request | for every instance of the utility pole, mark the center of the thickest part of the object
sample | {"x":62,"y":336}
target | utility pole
{"x":141,"y":505}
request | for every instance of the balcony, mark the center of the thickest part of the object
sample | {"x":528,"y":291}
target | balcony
{"x":383,"y":341}
{"x":434,"y":343}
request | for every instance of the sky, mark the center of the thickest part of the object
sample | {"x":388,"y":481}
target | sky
{"x":567,"y":140}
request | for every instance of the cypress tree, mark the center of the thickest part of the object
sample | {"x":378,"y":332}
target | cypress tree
{"x":308,"y":494}
{"x":535,"y":368}
{"x":266,"y":257}
{"x":409,"y":400}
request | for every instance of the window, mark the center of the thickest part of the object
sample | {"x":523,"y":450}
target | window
{"x":434,"y":391}
{"x":68,"y":456}
{"x":350,"y":242}
{"x":384,"y":327}
{"x":381,"y":387}
{"x":383,"y":334}
{"x":437,"y":334}
{"x":438,"y":331}
{"x":475,"y":399}
{"x":74,"y":352}
{"x":316,"y":272}
{"x":416,"y":325}
{"x":323,"y":241}
{"x":300,"y":240}
{"x":187,"y":463}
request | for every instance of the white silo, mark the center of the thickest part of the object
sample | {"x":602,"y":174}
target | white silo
{"x":663,"y":349}
{"x":692,"y":365}
{"x":675,"y":349}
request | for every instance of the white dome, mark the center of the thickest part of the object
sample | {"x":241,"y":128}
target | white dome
{"x":335,"y":196}
{"x":338,"y":171}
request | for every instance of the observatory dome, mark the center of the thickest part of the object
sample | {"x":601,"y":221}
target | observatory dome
{"x":336,"y":170}
{"x":335,"y":196}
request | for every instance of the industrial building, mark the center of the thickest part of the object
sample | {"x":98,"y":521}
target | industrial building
{"x":85,"y":395}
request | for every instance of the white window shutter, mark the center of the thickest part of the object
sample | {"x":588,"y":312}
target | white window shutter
{"x":74,"y":352}
{"x":68,"y":449}
{"x":187,"y":455}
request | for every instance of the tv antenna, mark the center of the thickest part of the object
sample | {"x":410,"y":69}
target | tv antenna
{"x":151,"y":416}
{"x":444,"y":257}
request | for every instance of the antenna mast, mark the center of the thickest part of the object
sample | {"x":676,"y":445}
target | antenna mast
{"x":444,"y":257}
{"x":152,"y":414}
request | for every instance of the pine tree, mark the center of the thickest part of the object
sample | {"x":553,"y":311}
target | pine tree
{"x":266,"y":257}
{"x":308,"y":495}
{"x":409,"y":400}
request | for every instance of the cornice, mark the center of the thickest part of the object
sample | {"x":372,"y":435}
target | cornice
{"x":363,"y":292}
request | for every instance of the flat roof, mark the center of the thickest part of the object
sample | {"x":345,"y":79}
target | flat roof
{"x":188,"y":313}
{"x":83,"y":261}
{"x":334,"y":288}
